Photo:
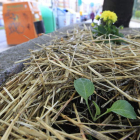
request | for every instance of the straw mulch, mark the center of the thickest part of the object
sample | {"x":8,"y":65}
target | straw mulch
{"x":40,"y":103}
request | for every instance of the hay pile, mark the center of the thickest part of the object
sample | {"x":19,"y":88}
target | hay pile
{"x":40,"y":103}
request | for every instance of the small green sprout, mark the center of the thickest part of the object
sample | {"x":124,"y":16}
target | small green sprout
{"x":85,"y":88}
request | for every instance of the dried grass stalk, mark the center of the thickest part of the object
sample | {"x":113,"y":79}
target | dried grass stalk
{"x":32,"y":102}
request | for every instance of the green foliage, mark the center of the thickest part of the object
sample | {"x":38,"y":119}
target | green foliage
{"x":123,"y":108}
{"x":98,"y":111}
{"x":85,"y":88}
{"x":102,"y":30}
{"x":99,"y":30}
{"x":107,"y":27}
{"x":137,"y":14}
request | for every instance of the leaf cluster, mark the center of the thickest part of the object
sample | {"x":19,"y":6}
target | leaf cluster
{"x":106,"y":30}
{"x":85,"y":88}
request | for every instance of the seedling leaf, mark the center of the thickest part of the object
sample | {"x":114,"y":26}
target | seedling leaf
{"x":123,"y":108}
{"x":98,"y":112}
{"x":84,"y":87}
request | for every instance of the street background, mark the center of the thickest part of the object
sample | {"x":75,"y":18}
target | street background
{"x":4,"y":46}
{"x":74,"y":8}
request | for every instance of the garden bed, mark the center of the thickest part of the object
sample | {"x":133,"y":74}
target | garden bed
{"x":41,"y":102}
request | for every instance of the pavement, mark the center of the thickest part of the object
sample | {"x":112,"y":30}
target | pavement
{"x":3,"y":43}
{"x":134,"y":24}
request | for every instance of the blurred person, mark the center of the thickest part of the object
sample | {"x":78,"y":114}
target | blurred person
{"x":92,"y":16}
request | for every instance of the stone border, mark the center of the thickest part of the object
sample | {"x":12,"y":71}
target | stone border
{"x":19,"y":52}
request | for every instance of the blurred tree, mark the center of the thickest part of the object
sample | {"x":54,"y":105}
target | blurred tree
{"x":123,"y":9}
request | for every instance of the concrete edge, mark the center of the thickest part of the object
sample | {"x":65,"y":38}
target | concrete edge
{"x":11,"y":68}
{"x":9,"y":72}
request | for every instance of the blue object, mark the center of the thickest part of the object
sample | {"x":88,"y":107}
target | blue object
{"x":79,"y":2}
{"x":61,"y":10}
{"x":91,"y":4}
{"x":63,"y":17}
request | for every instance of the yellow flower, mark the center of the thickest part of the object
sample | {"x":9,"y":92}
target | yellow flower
{"x":97,"y":17}
{"x":92,"y":24}
{"x":108,"y":15}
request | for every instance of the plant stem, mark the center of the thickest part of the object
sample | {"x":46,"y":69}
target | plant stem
{"x":101,"y":115}
{"x":90,"y":111}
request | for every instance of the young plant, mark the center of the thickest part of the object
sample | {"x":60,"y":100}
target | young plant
{"x":85,"y":88}
{"x":98,"y":111}
{"x":109,"y":18}
{"x":123,"y":108}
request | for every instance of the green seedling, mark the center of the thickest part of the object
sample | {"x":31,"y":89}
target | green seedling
{"x":123,"y":108}
{"x":85,"y":88}
{"x":98,"y":111}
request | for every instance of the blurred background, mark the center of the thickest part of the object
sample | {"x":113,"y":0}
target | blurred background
{"x":31,"y":18}
{"x":80,"y":9}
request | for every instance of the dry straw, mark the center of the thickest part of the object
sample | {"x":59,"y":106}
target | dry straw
{"x":41,"y":103}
